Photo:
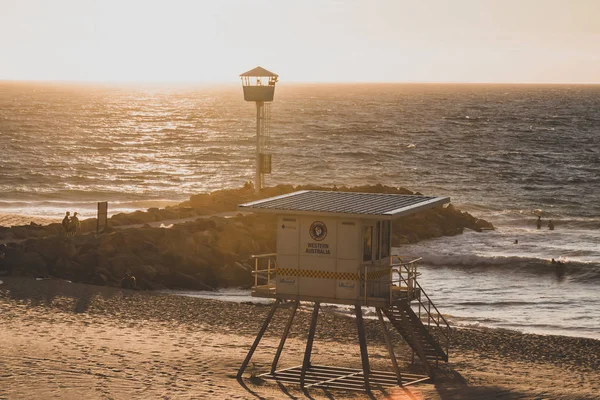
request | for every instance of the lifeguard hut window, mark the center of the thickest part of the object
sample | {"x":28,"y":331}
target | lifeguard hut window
{"x":368,"y":243}
{"x":386,"y":243}
{"x":376,"y":241}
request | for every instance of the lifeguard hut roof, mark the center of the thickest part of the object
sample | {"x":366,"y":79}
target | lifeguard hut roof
{"x":259,"y":71}
{"x":345,"y":204}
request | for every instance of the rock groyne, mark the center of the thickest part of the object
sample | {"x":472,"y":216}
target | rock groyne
{"x":203,"y":253}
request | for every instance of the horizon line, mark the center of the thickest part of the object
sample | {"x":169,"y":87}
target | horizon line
{"x":208,"y":83}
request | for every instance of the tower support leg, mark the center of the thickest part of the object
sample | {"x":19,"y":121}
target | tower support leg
{"x":259,"y":131}
{"x":363,"y":345}
{"x":258,"y":338}
{"x":309,"y":344}
{"x":390,"y":347}
{"x":286,"y":332}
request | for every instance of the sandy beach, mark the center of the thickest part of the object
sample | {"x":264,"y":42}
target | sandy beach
{"x":70,"y":341}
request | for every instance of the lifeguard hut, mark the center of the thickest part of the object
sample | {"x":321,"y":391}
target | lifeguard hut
{"x":259,"y":87}
{"x":335,"y":247}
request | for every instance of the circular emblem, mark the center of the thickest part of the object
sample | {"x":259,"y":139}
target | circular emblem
{"x":318,"y":231}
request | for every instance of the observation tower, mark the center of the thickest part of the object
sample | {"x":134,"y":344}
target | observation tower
{"x":259,"y":87}
{"x":335,"y":248}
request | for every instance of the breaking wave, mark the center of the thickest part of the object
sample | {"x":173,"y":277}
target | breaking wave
{"x":578,"y":271}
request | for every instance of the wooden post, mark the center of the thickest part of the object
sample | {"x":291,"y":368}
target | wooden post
{"x":309,"y":344}
{"x":286,"y":332}
{"x":363,"y":345}
{"x":258,"y":338}
{"x":390,"y":347}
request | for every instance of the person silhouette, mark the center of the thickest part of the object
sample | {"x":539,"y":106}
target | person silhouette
{"x":539,"y":222}
{"x":551,"y":225}
{"x":74,"y":224}
{"x":65,"y":222}
{"x":128,"y":281}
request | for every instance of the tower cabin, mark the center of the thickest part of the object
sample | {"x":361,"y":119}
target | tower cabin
{"x":335,"y":247}
{"x":259,"y":84}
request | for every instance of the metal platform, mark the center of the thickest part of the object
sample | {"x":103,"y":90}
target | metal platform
{"x":269,"y":292}
{"x":323,"y":376}
{"x":401,"y":283}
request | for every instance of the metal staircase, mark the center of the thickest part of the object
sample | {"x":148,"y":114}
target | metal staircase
{"x":427,"y":335}
{"x":416,"y":334}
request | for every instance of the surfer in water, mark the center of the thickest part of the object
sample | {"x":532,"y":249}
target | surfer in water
{"x":551,"y":225}
{"x":559,"y":268}
{"x":539,"y":222}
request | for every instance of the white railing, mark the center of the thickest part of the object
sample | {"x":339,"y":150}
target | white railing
{"x":403,"y":278}
{"x":267,"y":274}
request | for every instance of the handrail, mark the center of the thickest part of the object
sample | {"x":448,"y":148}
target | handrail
{"x":428,"y":298}
{"x":431,"y":302}
{"x":416,"y":260}
{"x":260,"y":270}
{"x":444,"y":330}
{"x":409,"y":282}
{"x":270,"y":257}
{"x":263,"y":255}
{"x":411,"y":271}
{"x":364,"y":276}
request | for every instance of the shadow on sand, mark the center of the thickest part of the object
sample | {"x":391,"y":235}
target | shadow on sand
{"x":72,"y":296}
{"x":449,"y":384}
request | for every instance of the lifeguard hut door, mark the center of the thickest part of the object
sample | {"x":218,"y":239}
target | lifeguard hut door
{"x":376,"y":249}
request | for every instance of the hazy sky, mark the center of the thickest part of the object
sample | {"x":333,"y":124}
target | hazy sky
{"x":307,"y":40}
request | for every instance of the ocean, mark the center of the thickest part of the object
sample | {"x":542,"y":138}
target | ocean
{"x":505,"y":153}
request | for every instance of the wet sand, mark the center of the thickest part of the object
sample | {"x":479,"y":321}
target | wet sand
{"x":73,"y":341}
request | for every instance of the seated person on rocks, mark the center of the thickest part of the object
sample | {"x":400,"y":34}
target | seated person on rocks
{"x":4,"y":270}
{"x":128,"y":281}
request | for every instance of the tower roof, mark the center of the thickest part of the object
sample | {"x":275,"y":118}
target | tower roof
{"x":258,"y":71}
{"x":345,"y":204}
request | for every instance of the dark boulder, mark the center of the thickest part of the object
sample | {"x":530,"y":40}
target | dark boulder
{"x":235,"y":275}
{"x":29,"y":264}
{"x":124,"y":262}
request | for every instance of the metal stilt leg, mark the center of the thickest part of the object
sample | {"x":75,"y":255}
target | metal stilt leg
{"x":258,"y":338}
{"x":286,"y":332}
{"x":309,"y":344}
{"x":363,"y":345}
{"x":390,"y":347}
